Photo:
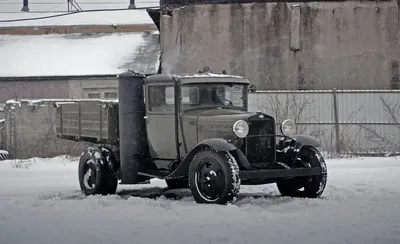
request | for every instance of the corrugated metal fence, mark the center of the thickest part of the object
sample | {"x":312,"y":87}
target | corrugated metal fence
{"x":345,"y":121}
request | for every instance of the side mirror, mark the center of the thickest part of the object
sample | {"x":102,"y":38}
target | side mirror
{"x":252,"y":88}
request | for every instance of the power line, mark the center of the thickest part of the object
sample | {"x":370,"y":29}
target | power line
{"x":69,"y":13}
{"x":86,"y":3}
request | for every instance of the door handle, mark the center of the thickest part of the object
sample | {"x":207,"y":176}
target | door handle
{"x":146,"y":117}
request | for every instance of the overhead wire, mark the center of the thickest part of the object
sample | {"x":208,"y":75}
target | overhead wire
{"x":56,"y":6}
{"x":86,"y":3}
{"x":70,"y":13}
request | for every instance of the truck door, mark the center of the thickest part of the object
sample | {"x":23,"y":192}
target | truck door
{"x":160,"y":122}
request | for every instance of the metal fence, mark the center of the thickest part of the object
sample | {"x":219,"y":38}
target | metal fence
{"x":345,"y":121}
{"x":2,"y":124}
{"x":356,"y":122}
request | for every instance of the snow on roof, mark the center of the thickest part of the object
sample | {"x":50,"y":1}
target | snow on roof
{"x":78,"y":54}
{"x":120,"y":17}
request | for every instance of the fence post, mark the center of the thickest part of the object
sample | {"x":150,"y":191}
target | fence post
{"x":2,"y":133}
{"x":10,"y":111}
{"x":336,"y":116}
{"x":25,"y":6}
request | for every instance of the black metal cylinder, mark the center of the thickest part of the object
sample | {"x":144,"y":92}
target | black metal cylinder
{"x":132,"y":126}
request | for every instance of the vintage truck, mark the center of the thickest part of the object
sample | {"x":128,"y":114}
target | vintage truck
{"x":193,"y":131}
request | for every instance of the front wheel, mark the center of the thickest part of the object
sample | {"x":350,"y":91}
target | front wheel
{"x":307,"y":186}
{"x":214,"y":177}
{"x":95,"y":175}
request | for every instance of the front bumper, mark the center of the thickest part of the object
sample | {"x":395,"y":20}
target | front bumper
{"x":279,"y":173}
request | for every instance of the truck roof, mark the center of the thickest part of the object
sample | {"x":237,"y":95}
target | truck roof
{"x":199,"y":78}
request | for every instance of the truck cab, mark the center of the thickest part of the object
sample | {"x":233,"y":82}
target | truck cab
{"x":206,"y":106}
{"x":195,"y":131}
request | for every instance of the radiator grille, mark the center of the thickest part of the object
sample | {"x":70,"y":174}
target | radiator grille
{"x":260,"y":144}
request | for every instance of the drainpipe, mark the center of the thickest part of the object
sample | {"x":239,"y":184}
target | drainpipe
{"x":25,"y":7}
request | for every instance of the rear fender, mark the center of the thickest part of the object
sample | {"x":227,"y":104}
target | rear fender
{"x":216,"y":144}
{"x":104,"y":155}
{"x":288,"y":149}
{"x":112,"y":162}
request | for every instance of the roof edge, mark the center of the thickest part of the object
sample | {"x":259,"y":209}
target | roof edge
{"x":54,"y":77}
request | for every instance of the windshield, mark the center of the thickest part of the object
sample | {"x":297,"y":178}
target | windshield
{"x":206,"y":95}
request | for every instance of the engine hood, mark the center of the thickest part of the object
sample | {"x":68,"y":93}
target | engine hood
{"x":216,"y":123}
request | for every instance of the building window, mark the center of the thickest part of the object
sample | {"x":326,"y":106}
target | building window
{"x":108,"y":95}
{"x":94,"y":95}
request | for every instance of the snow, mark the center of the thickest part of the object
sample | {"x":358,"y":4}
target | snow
{"x":2,"y":151}
{"x":206,"y":75}
{"x":119,"y":17}
{"x":2,"y":121}
{"x":73,"y":54}
{"x":42,"y":203}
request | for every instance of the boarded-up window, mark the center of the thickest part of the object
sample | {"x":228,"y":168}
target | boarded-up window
{"x":108,"y":95}
{"x":94,"y":95}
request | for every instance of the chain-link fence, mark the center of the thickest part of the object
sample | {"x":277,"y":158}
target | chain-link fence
{"x":344,"y":121}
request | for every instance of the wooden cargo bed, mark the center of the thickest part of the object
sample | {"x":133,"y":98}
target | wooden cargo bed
{"x":92,"y":121}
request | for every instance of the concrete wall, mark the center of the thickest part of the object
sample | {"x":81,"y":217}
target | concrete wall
{"x":44,"y":30}
{"x":32,"y":89}
{"x":314,"y":45}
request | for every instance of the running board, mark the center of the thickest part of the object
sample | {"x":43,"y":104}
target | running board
{"x":278,"y":173}
{"x":162,"y":175}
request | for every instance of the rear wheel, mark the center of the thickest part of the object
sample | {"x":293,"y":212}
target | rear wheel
{"x":95,"y":174}
{"x":4,"y":155}
{"x":214,"y":177}
{"x":308,"y":186}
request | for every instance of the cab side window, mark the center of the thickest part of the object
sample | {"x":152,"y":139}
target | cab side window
{"x":161,"y":98}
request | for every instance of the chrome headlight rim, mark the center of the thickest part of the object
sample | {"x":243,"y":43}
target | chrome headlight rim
{"x":241,"y":128}
{"x":284,"y":131}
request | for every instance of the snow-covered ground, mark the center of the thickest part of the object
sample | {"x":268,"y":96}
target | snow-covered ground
{"x":40,"y":202}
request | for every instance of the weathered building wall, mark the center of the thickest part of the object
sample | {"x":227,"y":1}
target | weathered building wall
{"x":314,"y":45}
{"x":14,"y":88}
{"x":58,"y":87}
{"x":104,"y":88}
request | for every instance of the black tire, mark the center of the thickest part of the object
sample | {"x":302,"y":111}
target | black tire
{"x":314,"y":185}
{"x":95,"y":175}
{"x":4,"y":155}
{"x":177,"y":183}
{"x":214,"y":177}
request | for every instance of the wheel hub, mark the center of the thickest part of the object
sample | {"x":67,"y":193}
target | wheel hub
{"x":210,"y":180}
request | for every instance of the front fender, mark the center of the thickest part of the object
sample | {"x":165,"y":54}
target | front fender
{"x":306,"y":140}
{"x":216,"y":144}
{"x":288,"y":149}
